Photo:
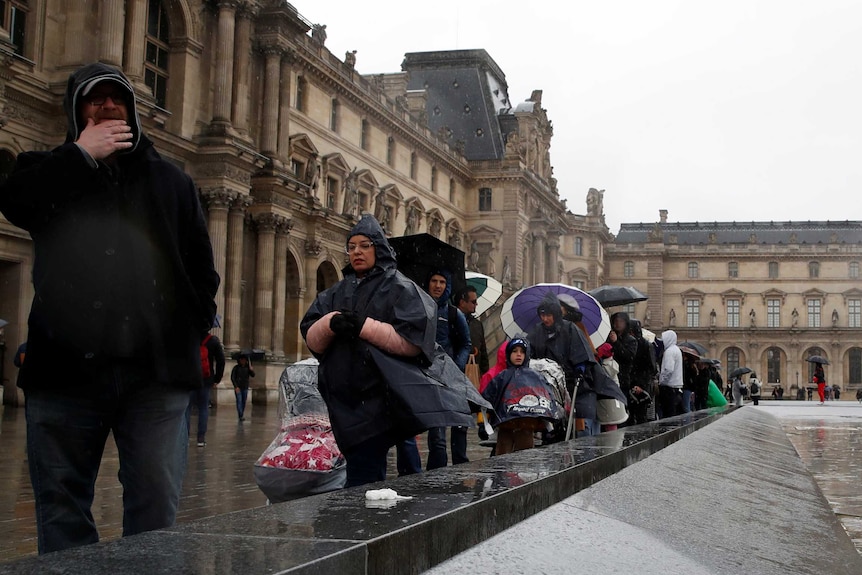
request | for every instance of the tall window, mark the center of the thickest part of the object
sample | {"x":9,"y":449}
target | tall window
{"x":854,"y":313}
{"x":733,"y":313}
{"x":433,"y":178}
{"x":301,"y":91}
{"x":156,"y":64}
{"x":629,"y":308}
{"x":579,"y":246}
{"x":297,"y":167}
{"x":13,"y":19}
{"x":773,"y":365}
{"x":773,"y":312}
{"x":485,"y":199}
{"x":390,"y":151}
{"x":854,"y":358}
{"x":813,"y":269}
{"x":629,"y":269}
{"x":853,"y":270}
{"x":452,"y":190}
{"x":692,"y":269}
{"x":732,"y":359}
{"x":773,"y":270}
{"x":692,"y":312}
{"x":333,"y":115}
{"x":814,"y":313}
{"x":412,"y":165}
{"x":733,"y":270}
{"x":364,"y":128}
{"x":331,"y":192}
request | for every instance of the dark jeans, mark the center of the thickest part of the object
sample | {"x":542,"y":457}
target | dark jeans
{"x":366,"y":463}
{"x":407,"y":457}
{"x":671,"y":401}
{"x":241,"y":398}
{"x":199,"y":398}
{"x":437,"y":447}
{"x":66,"y":433}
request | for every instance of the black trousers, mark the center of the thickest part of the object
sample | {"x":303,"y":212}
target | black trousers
{"x":670,"y":399}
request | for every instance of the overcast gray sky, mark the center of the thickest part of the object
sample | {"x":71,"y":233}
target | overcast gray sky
{"x":738,"y":110}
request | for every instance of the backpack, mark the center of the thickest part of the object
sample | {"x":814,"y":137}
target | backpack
{"x":206,"y":368}
{"x":755,"y":388}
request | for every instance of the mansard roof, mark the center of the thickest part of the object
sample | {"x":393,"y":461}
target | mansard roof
{"x":466,"y":90}
{"x":772,"y":233}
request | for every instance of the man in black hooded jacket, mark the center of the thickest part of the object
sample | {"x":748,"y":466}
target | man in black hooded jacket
{"x":560,"y":340}
{"x":124,"y":291}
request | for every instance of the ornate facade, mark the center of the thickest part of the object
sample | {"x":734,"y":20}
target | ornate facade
{"x":766,"y":295}
{"x":289,"y":145}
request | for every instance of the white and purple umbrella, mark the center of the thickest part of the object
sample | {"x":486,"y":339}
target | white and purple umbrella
{"x":519,"y":313}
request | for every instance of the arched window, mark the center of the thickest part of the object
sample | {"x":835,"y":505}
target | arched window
{"x":157,"y":50}
{"x":773,"y":365}
{"x":732,"y":359}
{"x":854,"y":366}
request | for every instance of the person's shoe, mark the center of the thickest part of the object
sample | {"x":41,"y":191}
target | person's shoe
{"x":202,"y":443}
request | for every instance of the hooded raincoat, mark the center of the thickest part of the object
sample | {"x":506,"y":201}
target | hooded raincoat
{"x":520,"y":392}
{"x":124,"y":265}
{"x":671,"y":363}
{"x":398,"y":310}
{"x":564,"y":343}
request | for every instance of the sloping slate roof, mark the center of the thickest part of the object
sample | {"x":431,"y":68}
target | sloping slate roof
{"x":693,"y":233}
{"x":461,"y":98}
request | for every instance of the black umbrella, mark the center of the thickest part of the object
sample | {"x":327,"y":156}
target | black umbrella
{"x":739,"y":371}
{"x":251,"y":354}
{"x":420,"y":255}
{"x":610,"y":296}
{"x":818,"y":359}
{"x":701,"y":350}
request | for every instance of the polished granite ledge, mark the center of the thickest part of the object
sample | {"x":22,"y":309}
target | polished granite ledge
{"x":451,"y":510}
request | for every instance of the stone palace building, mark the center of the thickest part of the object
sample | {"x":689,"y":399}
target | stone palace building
{"x":290,"y":144}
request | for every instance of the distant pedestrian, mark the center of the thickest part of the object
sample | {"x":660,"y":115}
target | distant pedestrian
{"x":212,"y":371}
{"x":754,"y":388}
{"x":738,"y":390}
{"x":819,"y":379}
{"x":239,"y":377}
{"x":836,"y":392}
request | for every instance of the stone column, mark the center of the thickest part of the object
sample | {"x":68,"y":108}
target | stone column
{"x":233,"y":280}
{"x":539,"y":257}
{"x":217,"y":201}
{"x":223,"y":81}
{"x":112,"y":27}
{"x":136,"y":41}
{"x":272,"y":77}
{"x":263,"y":282}
{"x":242,"y":70}
{"x":284,"y":109}
{"x":551,"y":268}
{"x":280,"y":286}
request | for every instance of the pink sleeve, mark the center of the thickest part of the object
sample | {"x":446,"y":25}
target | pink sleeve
{"x":319,"y":336}
{"x":384,"y":336}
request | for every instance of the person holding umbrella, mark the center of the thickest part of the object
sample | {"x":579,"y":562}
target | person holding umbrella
{"x":625,"y":347}
{"x":560,"y":340}
{"x":820,"y":380}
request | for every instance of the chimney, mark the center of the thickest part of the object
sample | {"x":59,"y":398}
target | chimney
{"x":662,"y":216}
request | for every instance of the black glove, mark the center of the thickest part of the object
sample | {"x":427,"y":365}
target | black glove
{"x":341,"y":325}
{"x":353,"y":323}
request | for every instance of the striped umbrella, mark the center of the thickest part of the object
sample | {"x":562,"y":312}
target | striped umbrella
{"x":488,"y":289}
{"x":519,"y":311}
